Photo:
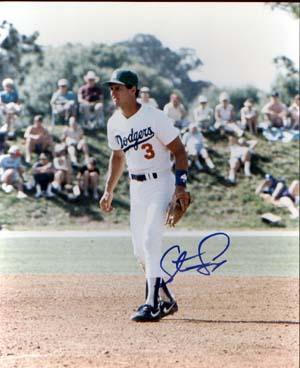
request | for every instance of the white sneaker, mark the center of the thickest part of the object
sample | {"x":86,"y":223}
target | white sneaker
{"x":76,"y":190}
{"x":56,"y":186}
{"x":49,"y":193}
{"x":7,"y":188}
{"x":21,"y":195}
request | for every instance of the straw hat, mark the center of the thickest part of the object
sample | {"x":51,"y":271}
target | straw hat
{"x":91,"y":75}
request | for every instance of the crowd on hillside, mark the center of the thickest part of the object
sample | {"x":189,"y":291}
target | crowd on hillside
{"x":67,"y":165}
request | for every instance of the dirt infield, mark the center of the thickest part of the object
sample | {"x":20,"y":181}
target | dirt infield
{"x":83,"y":321}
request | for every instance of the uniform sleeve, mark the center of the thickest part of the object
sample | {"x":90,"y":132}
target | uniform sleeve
{"x":165,"y":130}
{"x":111,"y":138}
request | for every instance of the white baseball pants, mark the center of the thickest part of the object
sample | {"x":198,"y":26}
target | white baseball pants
{"x":149,"y":201}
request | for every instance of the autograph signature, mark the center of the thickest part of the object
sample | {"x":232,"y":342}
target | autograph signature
{"x":204,"y":267}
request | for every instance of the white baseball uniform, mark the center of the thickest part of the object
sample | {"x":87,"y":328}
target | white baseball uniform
{"x":143,"y":138}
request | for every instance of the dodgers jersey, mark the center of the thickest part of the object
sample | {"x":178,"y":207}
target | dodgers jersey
{"x":143,"y":138}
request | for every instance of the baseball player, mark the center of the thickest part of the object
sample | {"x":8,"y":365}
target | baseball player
{"x":144,"y":137}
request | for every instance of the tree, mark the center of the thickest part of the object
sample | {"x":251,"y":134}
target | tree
{"x":287,"y":79}
{"x":13,"y":46}
{"x":173,"y":66}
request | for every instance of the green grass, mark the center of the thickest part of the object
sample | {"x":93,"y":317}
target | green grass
{"x":246,"y":256}
{"x":215,"y":205}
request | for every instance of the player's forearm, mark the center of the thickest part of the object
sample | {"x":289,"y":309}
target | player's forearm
{"x":181,"y":160}
{"x":115,"y":170}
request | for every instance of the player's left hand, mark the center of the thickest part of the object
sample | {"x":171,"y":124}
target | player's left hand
{"x":179,"y":204}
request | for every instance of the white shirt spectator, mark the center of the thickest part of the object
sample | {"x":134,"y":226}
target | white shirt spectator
{"x":175,"y":113}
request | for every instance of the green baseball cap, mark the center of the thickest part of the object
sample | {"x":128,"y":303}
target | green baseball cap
{"x":123,"y":77}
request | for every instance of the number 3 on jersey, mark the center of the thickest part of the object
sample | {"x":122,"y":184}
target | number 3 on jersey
{"x":149,"y":151}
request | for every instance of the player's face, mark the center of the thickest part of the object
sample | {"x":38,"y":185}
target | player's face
{"x":121,"y":95}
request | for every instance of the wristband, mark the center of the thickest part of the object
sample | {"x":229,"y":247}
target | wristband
{"x":181,"y":177}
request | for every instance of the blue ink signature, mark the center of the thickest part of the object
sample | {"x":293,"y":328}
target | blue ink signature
{"x":203,"y":267}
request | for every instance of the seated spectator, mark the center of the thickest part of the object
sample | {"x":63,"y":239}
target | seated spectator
{"x":240,"y":154}
{"x":88,"y":177}
{"x":90,"y":100}
{"x":224,"y":115}
{"x":63,"y":168}
{"x":63,"y":103}
{"x":294,"y":113}
{"x":38,"y":139}
{"x":249,"y":116}
{"x":275,"y":112}
{"x":194,"y":144}
{"x":176,"y":111}
{"x":11,"y":172}
{"x":43,"y":174}
{"x":73,"y":136}
{"x":145,"y":98}
{"x":10,"y":106}
{"x":275,"y":191}
{"x":203,"y":115}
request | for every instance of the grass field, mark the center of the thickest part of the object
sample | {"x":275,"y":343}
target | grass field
{"x":246,"y":256}
{"x":214,"y":203}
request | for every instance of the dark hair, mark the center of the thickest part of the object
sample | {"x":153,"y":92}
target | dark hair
{"x":38,"y":118}
{"x":136,"y":92}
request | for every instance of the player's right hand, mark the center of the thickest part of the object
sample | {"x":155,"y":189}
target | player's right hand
{"x":105,"y":202}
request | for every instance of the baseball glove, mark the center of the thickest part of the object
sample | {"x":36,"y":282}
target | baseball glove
{"x":177,"y":207}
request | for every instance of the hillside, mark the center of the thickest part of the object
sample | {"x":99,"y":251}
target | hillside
{"x":215,"y":204}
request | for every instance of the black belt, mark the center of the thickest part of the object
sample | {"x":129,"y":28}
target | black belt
{"x":143,"y":177}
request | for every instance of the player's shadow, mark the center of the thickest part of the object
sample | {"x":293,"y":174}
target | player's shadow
{"x":195,"y":320}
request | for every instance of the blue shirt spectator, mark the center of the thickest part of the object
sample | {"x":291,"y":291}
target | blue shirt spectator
{"x":9,"y":96}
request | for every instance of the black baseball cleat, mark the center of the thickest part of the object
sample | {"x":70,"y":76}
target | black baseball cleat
{"x":146,"y":313}
{"x":168,"y":308}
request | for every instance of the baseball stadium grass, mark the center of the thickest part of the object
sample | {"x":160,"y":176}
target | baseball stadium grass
{"x":246,"y":256}
{"x":215,"y":205}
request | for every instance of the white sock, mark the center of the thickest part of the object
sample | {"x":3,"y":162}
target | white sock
{"x":38,"y":189}
{"x":49,"y":189}
{"x":210,"y":163}
{"x":165,"y":293}
{"x":231,"y":175}
{"x":153,"y":288}
{"x":247,"y":168}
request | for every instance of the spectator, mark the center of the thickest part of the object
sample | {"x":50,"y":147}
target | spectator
{"x":294,"y":113}
{"x":88,"y":177}
{"x":10,"y":106}
{"x":38,"y":139}
{"x":63,"y":103}
{"x":145,"y":98}
{"x":249,"y":116}
{"x":176,"y":111}
{"x":63,"y":168}
{"x":11,"y":172}
{"x":203,"y":114}
{"x":43,"y":174}
{"x":224,"y":115}
{"x":90,"y":100}
{"x":275,"y":191}
{"x":240,"y":154}
{"x":275,"y":112}
{"x":73,"y":136}
{"x":194,"y":144}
